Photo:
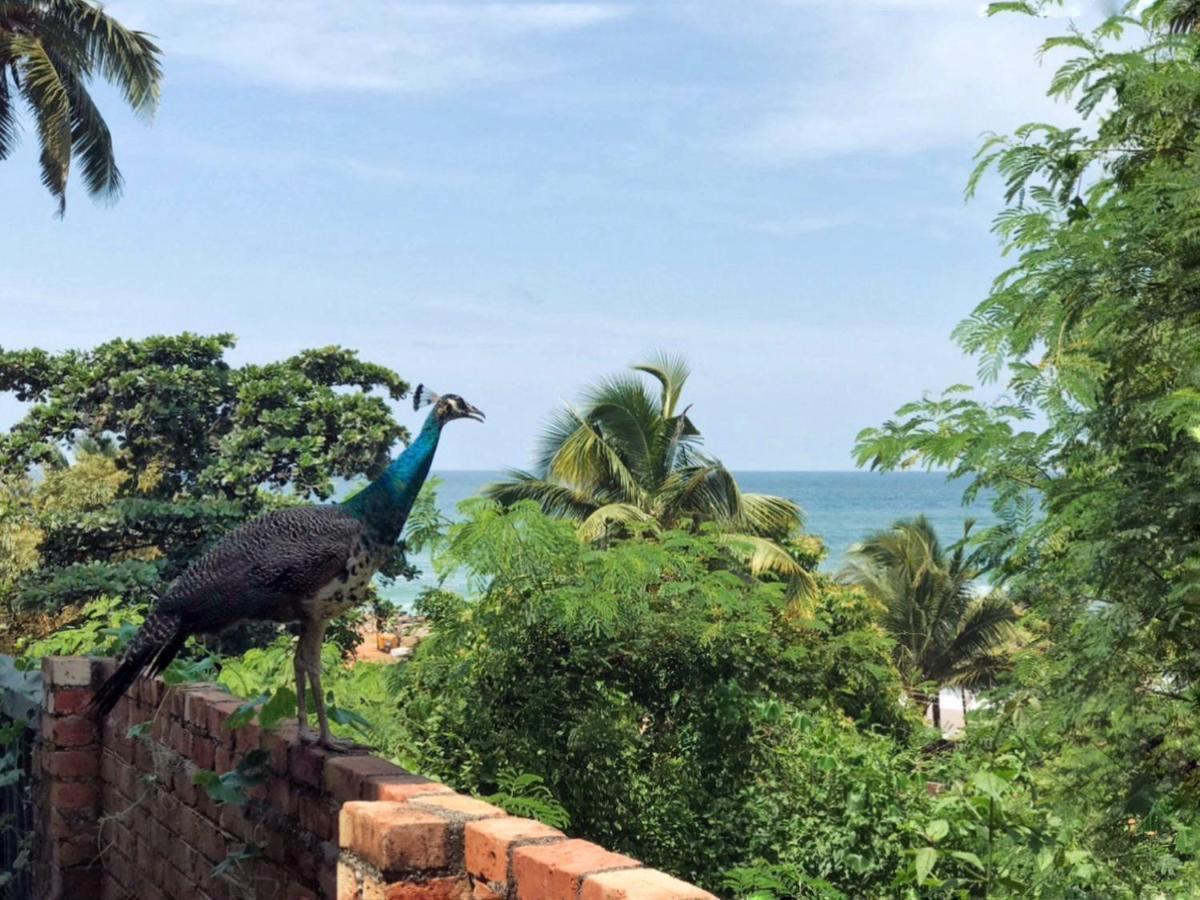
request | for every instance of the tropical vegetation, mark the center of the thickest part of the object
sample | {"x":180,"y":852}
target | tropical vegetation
{"x":627,"y":663}
{"x":949,"y":632}
{"x":50,"y":51}
{"x":626,"y":461}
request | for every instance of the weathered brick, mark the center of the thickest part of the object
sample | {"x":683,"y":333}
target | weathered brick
{"x":457,"y":806}
{"x":481,"y":890}
{"x":72,"y":731}
{"x":278,"y":742}
{"x":180,"y":738}
{"x":393,"y":836}
{"x":399,"y":790}
{"x":348,"y":882}
{"x":346,"y":776}
{"x":306,"y":764}
{"x":489,"y":843}
{"x":452,"y":888}
{"x":68,"y":701}
{"x":80,"y":851}
{"x":195,"y":705}
{"x":317,"y":815}
{"x":218,"y":713}
{"x":73,"y":795}
{"x":281,"y":795}
{"x":73,"y":764}
{"x":204,"y":752}
{"x":223,"y":759}
{"x":555,"y":871}
{"x":639,"y":884}
{"x":66,"y":671}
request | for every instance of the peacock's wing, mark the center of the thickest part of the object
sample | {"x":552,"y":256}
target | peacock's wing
{"x":265,"y":567}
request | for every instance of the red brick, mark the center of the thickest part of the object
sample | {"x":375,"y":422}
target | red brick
{"x":204,"y":752}
{"x":248,"y":738}
{"x":434,"y":889}
{"x":73,"y":764}
{"x":72,"y":731}
{"x":458,"y":806}
{"x":278,"y":742}
{"x":195,"y":705}
{"x":180,"y":738}
{"x":489,"y":843}
{"x":346,"y":776}
{"x":81,"y":851}
{"x":318,"y":814}
{"x":218,"y":713}
{"x":66,"y":701}
{"x":281,"y":795}
{"x":399,"y":790}
{"x":639,"y":884}
{"x":394,"y":837}
{"x":555,"y":871}
{"x":347,"y":882}
{"x":306,"y":764}
{"x":72,"y":795}
{"x":223,"y":759}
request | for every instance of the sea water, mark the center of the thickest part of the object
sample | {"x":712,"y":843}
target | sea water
{"x":841,"y":507}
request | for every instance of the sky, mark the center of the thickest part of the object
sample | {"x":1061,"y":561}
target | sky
{"x":508,"y":200}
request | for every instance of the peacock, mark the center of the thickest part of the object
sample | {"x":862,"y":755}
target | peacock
{"x":303,"y":564}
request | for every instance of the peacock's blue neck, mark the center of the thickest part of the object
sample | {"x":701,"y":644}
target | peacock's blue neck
{"x":384,"y":504}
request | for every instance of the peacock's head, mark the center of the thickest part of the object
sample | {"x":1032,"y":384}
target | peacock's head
{"x":447,"y":407}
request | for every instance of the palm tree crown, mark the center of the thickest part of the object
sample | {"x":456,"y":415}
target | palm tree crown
{"x":629,"y":458}
{"x":49,"y":52}
{"x":947,"y":633}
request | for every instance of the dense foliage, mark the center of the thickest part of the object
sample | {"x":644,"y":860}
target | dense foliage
{"x":1095,"y":451}
{"x":948,"y":632}
{"x":134,"y":457}
{"x":628,"y":461}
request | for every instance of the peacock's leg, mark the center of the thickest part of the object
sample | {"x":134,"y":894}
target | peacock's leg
{"x":301,"y":705}
{"x":310,"y":644}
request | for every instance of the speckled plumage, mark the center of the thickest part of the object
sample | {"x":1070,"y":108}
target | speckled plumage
{"x":302,"y":564}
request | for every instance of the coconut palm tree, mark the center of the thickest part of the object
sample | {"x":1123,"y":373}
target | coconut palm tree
{"x":626,"y":459}
{"x":50,"y":50}
{"x":947,"y":633}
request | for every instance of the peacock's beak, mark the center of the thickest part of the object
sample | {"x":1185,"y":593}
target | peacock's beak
{"x":473,"y":413}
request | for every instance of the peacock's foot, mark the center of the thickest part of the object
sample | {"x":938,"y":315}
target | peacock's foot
{"x":337,"y":745}
{"x":308,"y":736}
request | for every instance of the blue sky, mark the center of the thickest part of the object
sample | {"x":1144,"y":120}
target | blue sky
{"x":508,"y":200}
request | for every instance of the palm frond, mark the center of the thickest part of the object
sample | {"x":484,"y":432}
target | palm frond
{"x":555,"y":499}
{"x":705,"y":491}
{"x":770,"y":515}
{"x":92,"y":143}
{"x":595,"y":526}
{"x":586,"y":459}
{"x":672,"y":373}
{"x":765,"y":556}
{"x":49,"y":102}
{"x":8,"y":112}
{"x":128,"y":59}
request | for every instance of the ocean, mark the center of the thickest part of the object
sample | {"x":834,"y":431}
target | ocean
{"x":841,"y":507}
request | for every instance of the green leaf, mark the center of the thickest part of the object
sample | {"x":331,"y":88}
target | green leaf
{"x":281,"y":705}
{"x":968,"y":857}
{"x":937,"y":829}
{"x":925,"y":859}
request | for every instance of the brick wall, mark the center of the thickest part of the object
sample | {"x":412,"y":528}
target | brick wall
{"x":122,"y":818}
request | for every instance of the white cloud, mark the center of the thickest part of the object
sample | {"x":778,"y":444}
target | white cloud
{"x":368,"y":45}
{"x":899,"y":77}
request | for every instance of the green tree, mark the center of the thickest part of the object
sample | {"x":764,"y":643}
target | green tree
{"x":947,"y":634}
{"x":679,"y":710}
{"x":50,"y":50}
{"x":1094,"y":453}
{"x":197,"y":446}
{"x":628,"y":460}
